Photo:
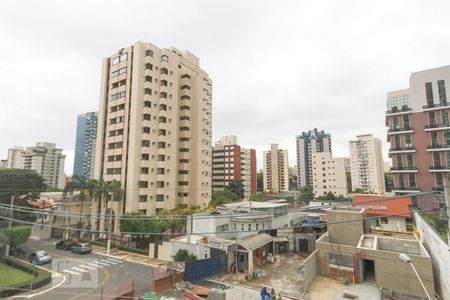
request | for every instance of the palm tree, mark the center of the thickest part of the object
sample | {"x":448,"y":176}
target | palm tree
{"x":85,"y":187}
{"x":105,"y":191}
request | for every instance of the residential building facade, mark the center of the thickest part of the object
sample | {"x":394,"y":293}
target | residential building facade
{"x":232,"y":162}
{"x":275,"y":170}
{"x":328,"y":175}
{"x":367,"y":166}
{"x":419,"y":131}
{"x":85,"y":145}
{"x":14,"y":160}
{"x":154,"y":128}
{"x":309,"y":143}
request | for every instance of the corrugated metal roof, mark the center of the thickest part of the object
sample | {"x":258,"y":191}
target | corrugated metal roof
{"x":255,"y":241}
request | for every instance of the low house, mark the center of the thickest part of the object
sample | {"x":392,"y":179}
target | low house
{"x":351,"y":253}
{"x":254,"y":250}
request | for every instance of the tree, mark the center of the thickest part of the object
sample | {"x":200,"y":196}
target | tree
{"x":85,"y":187}
{"x":223,"y":197}
{"x":292,"y":182}
{"x":184,"y":255}
{"x":236,"y":187}
{"x":359,"y":191}
{"x":260,"y":181}
{"x":17,"y":235}
{"x":328,"y":196}
{"x":349,"y":182}
{"x":306,"y":193}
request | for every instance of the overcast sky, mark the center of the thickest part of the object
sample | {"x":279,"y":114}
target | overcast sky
{"x":278,"y":67}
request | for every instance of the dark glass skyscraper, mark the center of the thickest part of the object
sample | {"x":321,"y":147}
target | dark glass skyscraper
{"x":85,"y":145}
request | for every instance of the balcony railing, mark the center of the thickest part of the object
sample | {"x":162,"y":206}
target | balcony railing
{"x":437,"y":125}
{"x":410,"y":168}
{"x":444,"y":167}
{"x":400,"y":129}
{"x":402,"y":148}
{"x":435,"y":105}
{"x":438,"y":146}
{"x":396,"y":109}
{"x":406,"y":188}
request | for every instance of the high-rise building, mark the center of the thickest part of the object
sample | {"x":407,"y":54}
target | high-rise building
{"x":15,"y":157}
{"x":233,"y":162}
{"x":85,"y":145}
{"x":3,"y":163}
{"x":328,"y":175}
{"x":154,"y":128}
{"x":275,"y":170}
{"x":367,"y":166}
{"x":47,"y":161}
{"x":309,"y":143}
{"x":419,"y":131}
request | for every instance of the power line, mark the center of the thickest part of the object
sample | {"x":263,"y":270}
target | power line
{"x":223,"y":232}
{"x":41,"y":211}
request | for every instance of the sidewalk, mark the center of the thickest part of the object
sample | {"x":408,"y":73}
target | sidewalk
{"x":241,"y":292}
{"x":131,"y":257}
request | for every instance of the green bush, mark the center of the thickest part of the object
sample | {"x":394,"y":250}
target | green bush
{"x":184,"y":255}
{"x":18,"y":235}
{"x":134,"y":250}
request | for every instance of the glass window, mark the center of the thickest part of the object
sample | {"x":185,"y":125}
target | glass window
{"x":436,"y":159}
{"x":242,"y":226}
{"x":399,"y":161}
{"x":439,"y":180}
{"x":116,"y":60}
{"x":404,"y":101}
{"x":432,"y":118}
{"x":412,"y":180}
{"x":447,"y":137}
{"x":393,"y":102}
{"x":410,"y":160}
{"x":406,"y":123}
{"x":395,"y":122}
{"x":159,"y":197}
{"x":149,"y":53}
{"x":401,"y":180}
{"x":429,"y":92}
{"x":444,"y":116}
{"x":447,"y":158}
{"x":434,"y":138}
{"x":164,"y":58}
{"x":442,"y":94}
{"x":408,"y":140}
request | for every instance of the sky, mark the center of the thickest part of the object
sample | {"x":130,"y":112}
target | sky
{"x":278,"y":67}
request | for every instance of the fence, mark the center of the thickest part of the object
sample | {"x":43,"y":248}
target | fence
{"x":165,"y":279}
{"x":200,"y":269}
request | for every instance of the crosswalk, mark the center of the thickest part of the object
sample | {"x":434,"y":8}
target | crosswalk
{"x":90,"y":266}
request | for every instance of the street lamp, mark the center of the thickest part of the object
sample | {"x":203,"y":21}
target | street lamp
{"x":405,"y":258}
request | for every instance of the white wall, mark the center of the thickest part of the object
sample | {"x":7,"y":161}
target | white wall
{"x":440,"y":256}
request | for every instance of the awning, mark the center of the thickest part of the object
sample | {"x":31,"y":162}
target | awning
{"x":279,"y":239}
{"x":255,"y":241}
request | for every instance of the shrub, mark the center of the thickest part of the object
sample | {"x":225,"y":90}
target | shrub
{"x":184,"y":255}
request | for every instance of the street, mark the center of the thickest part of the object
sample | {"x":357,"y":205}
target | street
{"x":80,"y":272}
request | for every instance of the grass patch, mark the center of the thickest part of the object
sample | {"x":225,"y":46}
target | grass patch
{"x":439,"y":224}
{"x":10,"y":276}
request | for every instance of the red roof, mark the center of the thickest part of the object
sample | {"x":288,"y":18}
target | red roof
{"x":40,"y":204}
{"x":384,"y":207}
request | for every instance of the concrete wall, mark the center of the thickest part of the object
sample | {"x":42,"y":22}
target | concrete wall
{"x":309,"y":270}
{"x":392,"y":244}
{"x":440,"y":255}
{"x":346,"y":233}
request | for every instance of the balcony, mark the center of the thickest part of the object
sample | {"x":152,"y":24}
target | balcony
{"x":438,"y":147}
{"x":406,"y":189}
{"x":406,"y":149}
{"x":399,"y":130}
{"x":410,"y":169}
{"x":435,"y":106}
{"x":398,"y":111}
{"x":435,"y":169}
{"x":434,"y":127}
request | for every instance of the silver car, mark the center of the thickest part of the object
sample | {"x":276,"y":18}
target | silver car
{"x":82,"y":248}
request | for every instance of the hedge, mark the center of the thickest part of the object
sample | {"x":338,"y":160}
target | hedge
{"x":41,"y":276}
{"x":102,"y":243}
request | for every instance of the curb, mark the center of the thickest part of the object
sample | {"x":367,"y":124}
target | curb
{"x":127,"y":259}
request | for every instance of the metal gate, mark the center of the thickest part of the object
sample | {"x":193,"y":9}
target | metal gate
{"x":203,"y":268}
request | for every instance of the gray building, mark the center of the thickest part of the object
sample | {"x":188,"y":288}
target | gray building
{"x":308,"y":143}
{"x":85,"y":145}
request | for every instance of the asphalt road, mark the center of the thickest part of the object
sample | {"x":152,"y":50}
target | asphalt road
{"x":88,"y":275}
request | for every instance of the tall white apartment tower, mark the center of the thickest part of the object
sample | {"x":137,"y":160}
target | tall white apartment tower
{"x":14,"y":160}
{"x":366,"y":163}
{"x":154,"y":128}
{"x":275,"y":170}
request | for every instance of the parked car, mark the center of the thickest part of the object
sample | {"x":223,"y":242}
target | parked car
{"x":65,"y":244}
{"x":40,"y":257}
{"x":82,"y":248}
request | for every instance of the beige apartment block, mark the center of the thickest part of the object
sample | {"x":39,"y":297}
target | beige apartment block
{"x":233,"y":162}
{"x":14,"y":160}
{"x":154,"y":128}
{"x":275,"y":170}
{"x":367,"y":165}
{"x":328,"y":175}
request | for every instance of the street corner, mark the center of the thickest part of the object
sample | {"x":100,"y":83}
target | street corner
{"x":78,"y":273}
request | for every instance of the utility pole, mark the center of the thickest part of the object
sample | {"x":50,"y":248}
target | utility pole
{"x":11,"y":216}
{"x":447,"y":202}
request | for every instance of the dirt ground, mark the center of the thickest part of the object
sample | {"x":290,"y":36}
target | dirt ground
{"x":323,"y":288}
{"x":282,"y":276}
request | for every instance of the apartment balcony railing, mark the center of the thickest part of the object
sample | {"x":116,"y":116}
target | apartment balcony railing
{"x":406,"y":188}
{"x":438,"y":189}
{"x":435,"y":105}
{"x":443,"y":167}
{"x":410,"y":168}
{"x":397,"y":109}
{"x":400,"y":129}
{"x":406,"y":148}
{"x":438,"y":146}
{"x":437,"y":126}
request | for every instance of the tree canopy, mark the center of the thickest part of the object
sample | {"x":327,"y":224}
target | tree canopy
{"x":236,"y":187}
{"x":223,"y":197}
{"x":20,"y":182}
{"x":306,"y":193}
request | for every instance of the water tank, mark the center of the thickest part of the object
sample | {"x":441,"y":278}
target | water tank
{"x":311,"y":220}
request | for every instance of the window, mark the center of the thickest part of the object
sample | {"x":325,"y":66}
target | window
{"x":395,"y":122}
{"x":163,"y":107}
{"x":185,"y":107}
{"x":146,"y":129}
{"x":184,"y":118}
{"x":160,"y":171}
{"x":164,"y":58}
{"x":163,"y":95}
{"x":434,"y":138}
{"x":162,"y":119}
{"x":161,"y":157}
{"x":143,"y":184}
{"x":148,"y":78}
{"x":183,"y":182}
{"x":406,"y":123}
{"x":146,"y":117}
{"x":116,"y":120}
{"x":148,"y":66}
{"x":143,"y":198}
{"x":164,"y":71}
{"x":184,"y":128}
{"x":447,"y":137}
{"x":410,"y":160}
{"x":161,"y":132}
{"x":249,"y":227}
{"x":163,"y":82}
{"x":119,"y":72}
{"x":399,"y":161}
{"x":144,"y":170}
{"x":441,"y":91}
{"x":394,"y":102}
{"x":185,"y":87}
{"x":161,"y":145}
{"x":444,"y":117}
{"x":147,"y":91}
{"x":429,"y":93}
{"x":186,"y":76}
{"x":436,"y":159}
{"x":184,"y":150}
{"x":160,"y":184}
{"x":185,"y":97}
{"x":145,"y":143}
{"x":408,"y":140}
{"x":147,"y":104}
{"x":183,"y":172}
{"x":183,"y":161}
{"x":432,"y":118}
{"x":159,"y":197}
{"x":118,"y":95}
{"x":183,"y":194}
{"x":184,"y":139}
{"x":242,"y":227}
{"x":145,"y":156}
{"x":113,"y":171}
{"x":404,"y":101}
{"x":149,"y":53}
{"x":120,"y":58}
